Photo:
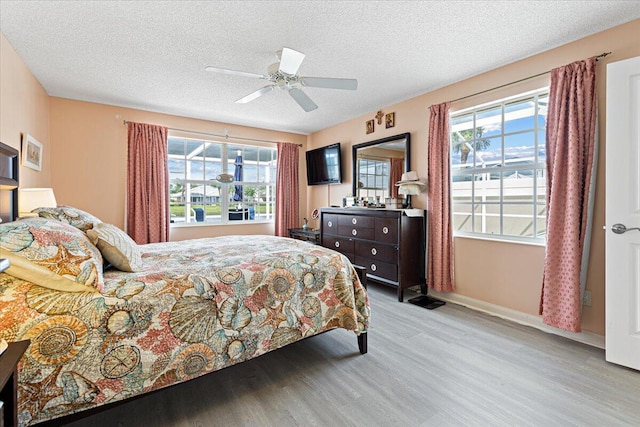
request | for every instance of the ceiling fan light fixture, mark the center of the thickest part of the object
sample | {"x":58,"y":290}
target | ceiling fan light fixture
{"x":290,"y":61}
{"x":284,"y":75}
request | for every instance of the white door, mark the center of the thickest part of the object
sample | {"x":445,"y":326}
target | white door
{"x":623,"y":211}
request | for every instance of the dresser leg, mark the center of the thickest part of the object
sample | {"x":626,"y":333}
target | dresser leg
{"x":400,"y":294}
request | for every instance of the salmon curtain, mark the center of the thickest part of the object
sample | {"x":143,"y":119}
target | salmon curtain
{"x":571,"y":141}
{"x":287,"y":189}
{"x":147,"y":183}
{"x":440,"y":235}
{"x":395,"y":174}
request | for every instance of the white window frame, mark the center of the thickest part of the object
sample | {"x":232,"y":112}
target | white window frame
{"x":479,"y":172}
{"x":227,"y":167}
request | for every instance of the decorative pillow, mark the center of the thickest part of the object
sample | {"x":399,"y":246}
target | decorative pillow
{"x":51,"y":254}
{"x":78,"y":218}
{"x":116,"y":247}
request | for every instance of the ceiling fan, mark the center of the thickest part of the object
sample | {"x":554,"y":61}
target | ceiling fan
{"x":284,"y":75}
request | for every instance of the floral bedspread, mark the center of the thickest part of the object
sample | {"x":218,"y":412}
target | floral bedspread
{"x":196,"y":307}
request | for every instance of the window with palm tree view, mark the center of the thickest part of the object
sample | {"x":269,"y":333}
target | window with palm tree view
{"x":220,"y":183}
{"x":498,"y":186}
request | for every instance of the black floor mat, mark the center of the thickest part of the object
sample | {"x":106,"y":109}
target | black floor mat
{"x":427,"y":302}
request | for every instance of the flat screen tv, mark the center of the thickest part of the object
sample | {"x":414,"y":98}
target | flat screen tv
{"x":324,"y":165}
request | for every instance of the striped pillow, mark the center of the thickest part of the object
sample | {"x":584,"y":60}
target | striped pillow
{"x":116,"y":247}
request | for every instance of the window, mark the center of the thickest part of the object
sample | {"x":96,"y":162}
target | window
{"x":373,"y":178}
{"x":196,"y":196}
{"x":498,"y":178}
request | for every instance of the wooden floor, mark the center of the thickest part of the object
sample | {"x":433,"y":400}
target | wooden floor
{"x":445,"y":367}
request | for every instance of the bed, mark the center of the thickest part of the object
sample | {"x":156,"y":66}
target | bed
{"x":189,"y":308}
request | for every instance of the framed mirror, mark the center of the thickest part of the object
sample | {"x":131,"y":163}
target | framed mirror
{"x":378,"y":165}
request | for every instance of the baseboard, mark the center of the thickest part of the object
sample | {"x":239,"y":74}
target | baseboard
{"x":534,"y":321}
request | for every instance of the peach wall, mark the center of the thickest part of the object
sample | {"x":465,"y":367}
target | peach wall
{"x":90,"y":153}
{"x":24,"y":109}
{"x":504,"y":274}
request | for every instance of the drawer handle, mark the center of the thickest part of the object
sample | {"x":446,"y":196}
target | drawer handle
{"x":354,"y":232}
{"x":329,"y":224}
{"x":373,"y":267}
{"x":385,"y":230}
{"x":354,"y":221}
{"x":337,"y":244}
{"x":374,"y":251}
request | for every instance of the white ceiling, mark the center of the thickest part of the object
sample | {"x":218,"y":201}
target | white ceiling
{"x":151,"y":55}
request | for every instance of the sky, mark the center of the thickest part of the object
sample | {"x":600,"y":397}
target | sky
{"x":520,"y":131}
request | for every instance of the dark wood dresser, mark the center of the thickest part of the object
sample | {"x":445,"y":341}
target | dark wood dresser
{"x":388,"y":243}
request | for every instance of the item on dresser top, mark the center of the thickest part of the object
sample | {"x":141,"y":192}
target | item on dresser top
{"x":410,"y":177}
{"x":349,"y":201}
{"x":410,"y":185}
{"x":393,"y":203}
{"x":413,"y":212}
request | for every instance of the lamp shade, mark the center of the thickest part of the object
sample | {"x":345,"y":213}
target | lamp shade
{"x":32,"y":198}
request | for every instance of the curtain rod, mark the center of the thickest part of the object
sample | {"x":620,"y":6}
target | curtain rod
{"x":216,"y":135}
{"x":602,"y":55}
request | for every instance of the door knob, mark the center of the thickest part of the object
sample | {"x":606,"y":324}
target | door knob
{"x":621,"y":228}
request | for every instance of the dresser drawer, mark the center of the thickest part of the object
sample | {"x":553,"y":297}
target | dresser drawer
{"x":377,"y":252}
{"x":356,"y":221}
{"x":330,"y":223}
{"x":356,"y":232}
{"x":340,"y":244}
{"x":386,"y":230}
{"x":379,"y":268}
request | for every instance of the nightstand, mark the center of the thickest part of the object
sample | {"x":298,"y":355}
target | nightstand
{"x":309,"y":235}
{"x":9,"y":380}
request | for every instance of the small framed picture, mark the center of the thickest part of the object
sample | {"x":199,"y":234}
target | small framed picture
{"x":31,"y":152}
{"x":370,"y":126}
{"x":390,"y":120}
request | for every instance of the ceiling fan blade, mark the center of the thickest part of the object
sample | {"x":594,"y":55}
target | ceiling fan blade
{"x":302,"y":99}
{"x":256,"y":94}
{"x":234,"y":72}
{"x":290,"y":61}
{"x":329,"y":83}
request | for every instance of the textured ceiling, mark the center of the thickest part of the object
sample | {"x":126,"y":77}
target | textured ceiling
{"x":151,"y":55}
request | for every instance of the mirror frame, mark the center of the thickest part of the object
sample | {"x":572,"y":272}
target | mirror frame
{"x":354,"y":155}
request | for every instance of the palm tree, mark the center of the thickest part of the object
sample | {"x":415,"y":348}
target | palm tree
{"x":464,"y":141}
